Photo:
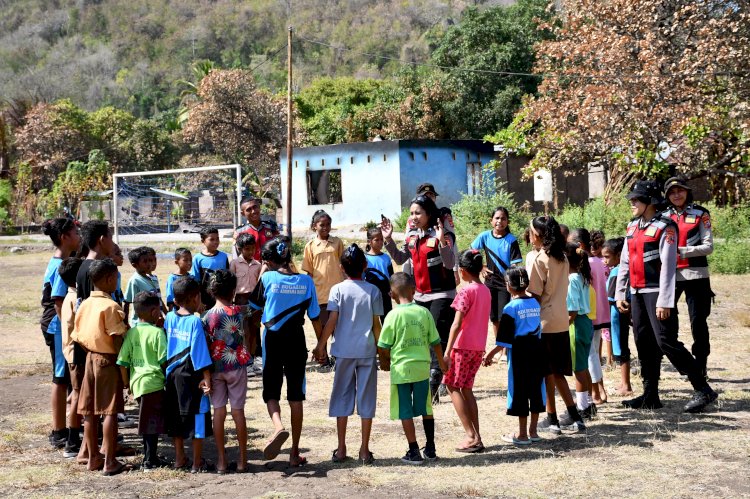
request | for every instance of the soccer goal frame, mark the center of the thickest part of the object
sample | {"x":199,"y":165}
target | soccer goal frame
{"x":237,"y":215}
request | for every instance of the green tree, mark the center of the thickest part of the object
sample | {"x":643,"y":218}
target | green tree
{"x":496,"y":39}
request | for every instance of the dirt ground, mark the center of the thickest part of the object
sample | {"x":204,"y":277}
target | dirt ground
{"x":624,"y":453}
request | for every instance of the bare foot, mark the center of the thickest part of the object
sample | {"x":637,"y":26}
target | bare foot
{"x":626,"y":391}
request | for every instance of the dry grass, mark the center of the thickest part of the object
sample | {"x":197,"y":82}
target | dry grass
{"x":628,"y":453}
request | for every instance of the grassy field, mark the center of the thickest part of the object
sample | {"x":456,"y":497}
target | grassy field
{"x":626,"y":453}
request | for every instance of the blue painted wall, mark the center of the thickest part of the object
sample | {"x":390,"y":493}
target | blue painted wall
{"x":381,"y":177}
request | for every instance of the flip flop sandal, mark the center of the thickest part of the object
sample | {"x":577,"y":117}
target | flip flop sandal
{"x":337,"y":459}
{"x":369,"y":459}
{"x":205,"y":467}
{"x":301,"y":463}
{"x":185,"y":467}
{"x":272,"y":448}
{"x":118,"y":470}
{"x":231,"y":468}
{"x":536,"y":438}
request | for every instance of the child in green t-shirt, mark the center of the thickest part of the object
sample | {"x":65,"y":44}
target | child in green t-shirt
{"x":407,"y":335}
{"x":141,"y":358}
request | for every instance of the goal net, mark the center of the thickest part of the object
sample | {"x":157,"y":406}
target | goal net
{"x":179,"y":200}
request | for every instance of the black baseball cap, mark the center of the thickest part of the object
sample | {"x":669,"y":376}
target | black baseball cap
{"x":676,"y":182}
{"x":648,"y":191}
{"x":426,"y":188}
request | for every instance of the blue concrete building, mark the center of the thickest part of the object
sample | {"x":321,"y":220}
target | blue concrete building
{"x":357,"y":182}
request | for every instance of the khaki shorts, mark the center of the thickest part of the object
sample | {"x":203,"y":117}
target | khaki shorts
{"x":101,"y":391}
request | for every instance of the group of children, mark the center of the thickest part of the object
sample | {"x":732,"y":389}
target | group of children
{"x":193,"y":350}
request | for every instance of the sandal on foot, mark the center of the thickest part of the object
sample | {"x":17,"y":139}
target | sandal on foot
{"x":205,"y":467}
{"x":336,"y":459}
{"x":231,"y":468}
{"x":302,"y":461}
{"x":536,"y":438}
{"x":272,"y":448}
{"x":369,"y":459}
{"x":119,"y":469}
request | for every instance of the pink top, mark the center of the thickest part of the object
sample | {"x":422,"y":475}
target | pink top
{"x":473,"y":301}
{"x":599,"y":273}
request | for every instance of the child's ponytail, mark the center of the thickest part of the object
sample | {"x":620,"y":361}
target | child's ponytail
{"x":517,"y":279}
{"x":471,"y":261}
{"x":579,"y":261}
{"x":372,"y":232}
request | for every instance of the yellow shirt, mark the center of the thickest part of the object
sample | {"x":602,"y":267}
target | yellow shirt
{"x":98,"y":320}
{"x":67,"y":321}
{"x":322,"y":260}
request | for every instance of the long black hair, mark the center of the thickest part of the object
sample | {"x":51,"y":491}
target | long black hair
{"x":471,"y":261}
{"x":553,"y":242}
{"x":579,"y":261}
{"x":277,"y":250}
{"x":56,"y":227}
{"x":429,"y":206}
{"x":354,"y":261}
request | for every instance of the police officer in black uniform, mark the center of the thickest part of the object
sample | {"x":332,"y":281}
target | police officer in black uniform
{"x":648,"y":266}
{"x":694,"y":244}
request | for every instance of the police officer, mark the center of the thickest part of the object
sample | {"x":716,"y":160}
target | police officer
{"x":694,"y":243}
{"x":648,"y":266}
{"x":263,"y":231}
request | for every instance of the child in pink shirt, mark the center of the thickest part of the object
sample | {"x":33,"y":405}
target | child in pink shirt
{"x":466,"y":344}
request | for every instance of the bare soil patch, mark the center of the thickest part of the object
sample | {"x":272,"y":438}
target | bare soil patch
{"x":624,"y":453}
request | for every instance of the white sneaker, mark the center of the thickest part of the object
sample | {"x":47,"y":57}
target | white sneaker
{"x":257,"y":366}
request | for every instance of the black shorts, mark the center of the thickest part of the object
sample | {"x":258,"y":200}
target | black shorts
{"x":284,"y":356}
{"x":60,"y":371}
{"x":151,"y":413}
{"x":500,"y":298}
{"x":525,"y":378}
{"x":556,"y":354}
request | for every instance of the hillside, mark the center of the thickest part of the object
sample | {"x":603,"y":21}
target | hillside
{"x":130,"y":53}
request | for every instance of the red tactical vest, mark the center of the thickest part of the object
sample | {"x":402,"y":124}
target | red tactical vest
{"x":689,"y":222}
{"x":262,"y":236}
{"x":429,"y":273}
{"x":643,"y":251}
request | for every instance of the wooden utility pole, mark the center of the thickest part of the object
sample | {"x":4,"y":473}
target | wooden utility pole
{"x":289,"y":132}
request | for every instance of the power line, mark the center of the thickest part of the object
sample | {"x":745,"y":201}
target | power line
{"x":269,"y":57}
{"x":514,"y":73}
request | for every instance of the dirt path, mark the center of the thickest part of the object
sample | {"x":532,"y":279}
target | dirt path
{"x":624,"y":453}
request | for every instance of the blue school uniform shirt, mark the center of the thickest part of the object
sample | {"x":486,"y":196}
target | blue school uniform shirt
{"x":117,"y":295}
{"x":53,"y":287}
{"x":202,"y":262}
{"x":284,"y":299}
{"x":578,"y":299}
{"x":381,"y":263}
{"x":521,"y":317}
{"x":186,"y":338}
{"x":501,"y":253}
{"x":170,"y":286}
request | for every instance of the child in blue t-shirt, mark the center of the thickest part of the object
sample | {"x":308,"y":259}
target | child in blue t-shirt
{"x":379,"y":268}
{"x":355,"y":307}
{"x":208,"y":261}
{"x":578,"y":302}
{"x":620,"y":327}
{"x":64,"y":235}
{"x":284,"y":297}
{"x":501,"y":252}
{"x":184,"y":261}
{"x":188,"y":375}
{"x":520,"y":333}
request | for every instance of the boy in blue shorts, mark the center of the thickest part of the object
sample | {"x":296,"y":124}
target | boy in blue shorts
{"x":355,"y":308}
{"x":408,"y":333}
{"x":188,"y":376}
